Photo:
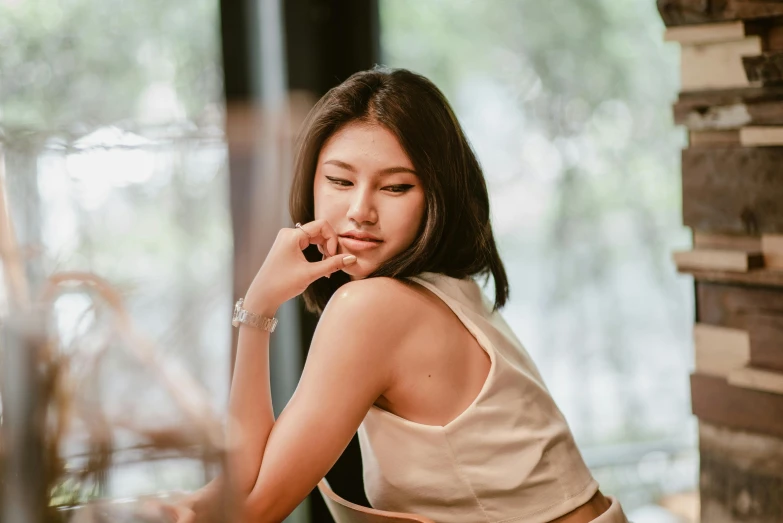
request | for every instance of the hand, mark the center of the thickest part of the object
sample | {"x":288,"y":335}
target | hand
{"x":286,"y":273}
{"x":175,"y":513}
{"x":179,"y":514}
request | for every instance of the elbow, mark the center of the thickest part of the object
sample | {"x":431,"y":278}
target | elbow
{"x":252,"y":512}
{"x":261,"y":509}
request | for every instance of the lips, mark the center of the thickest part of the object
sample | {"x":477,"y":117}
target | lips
{"x":362,"y":236}
{"x":367,"y":240}
{"x":353,"y":243}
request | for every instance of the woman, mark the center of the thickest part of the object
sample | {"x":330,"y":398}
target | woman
{"x":455,"y":422}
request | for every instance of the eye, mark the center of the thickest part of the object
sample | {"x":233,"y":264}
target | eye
{"x":399,"y":188}
{"x":338,"y":181}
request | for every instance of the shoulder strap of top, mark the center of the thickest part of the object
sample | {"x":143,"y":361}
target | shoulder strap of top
{"x":465,"y":291}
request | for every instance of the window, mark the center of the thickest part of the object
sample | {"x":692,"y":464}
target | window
{"x":567,"y":105}
{"x":112,"y":148}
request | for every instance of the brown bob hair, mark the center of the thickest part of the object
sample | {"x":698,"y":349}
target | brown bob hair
{"x":455,"y":237}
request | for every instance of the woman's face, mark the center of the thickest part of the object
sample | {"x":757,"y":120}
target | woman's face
{"x":367,"y":190}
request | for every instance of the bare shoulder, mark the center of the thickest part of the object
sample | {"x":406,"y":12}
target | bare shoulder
{"x":382,"y":309}
{"x":389,"y":293}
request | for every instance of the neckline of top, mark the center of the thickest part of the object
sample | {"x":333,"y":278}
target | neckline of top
{"x":467,"y":287}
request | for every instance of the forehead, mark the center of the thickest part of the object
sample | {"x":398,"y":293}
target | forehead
{"x":359,"y":141}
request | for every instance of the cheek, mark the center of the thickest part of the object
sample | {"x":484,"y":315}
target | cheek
{"x":316,"y":197}
{"x":323,"y":205}
{"x":410,"y":215}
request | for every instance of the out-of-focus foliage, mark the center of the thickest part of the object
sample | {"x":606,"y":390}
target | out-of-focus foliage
{"x":74,"y":64}
{"x":568,"y":106}
{"x":112,"y":146}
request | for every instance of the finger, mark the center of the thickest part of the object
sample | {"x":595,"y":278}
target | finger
{"x":153,"y":510}
{"x":180,"y":514}
{"x":321,"y":232}
{"x":186,"y":516}
{"x":324,"y":251}
{"x":330,"y":265}
{"x":302,"y":244}
{"x":169,"y":512}
{"x":303,"y":240}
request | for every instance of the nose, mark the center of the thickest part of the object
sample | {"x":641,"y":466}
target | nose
{"x":362,"y":207}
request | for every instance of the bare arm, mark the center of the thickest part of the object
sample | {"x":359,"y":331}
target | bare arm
{"x":250,"y":402}
{"x":275,"y":464}
{"x":351,"y":363}
{"x":284,"y":275}
{"x":250,"y":405}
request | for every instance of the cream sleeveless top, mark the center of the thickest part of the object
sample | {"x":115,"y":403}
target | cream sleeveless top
{"x":509,"y":456}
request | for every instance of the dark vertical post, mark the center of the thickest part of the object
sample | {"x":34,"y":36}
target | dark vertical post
{"x":237,"y":88}
{"x":325,"y":42}
{"x":259,"y":169}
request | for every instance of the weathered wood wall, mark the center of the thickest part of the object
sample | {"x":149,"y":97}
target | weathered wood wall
{"x":732,"y":198}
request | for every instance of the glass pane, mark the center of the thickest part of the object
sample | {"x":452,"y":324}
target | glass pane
{"x":567,"y":105}
{"x":113,"y":152}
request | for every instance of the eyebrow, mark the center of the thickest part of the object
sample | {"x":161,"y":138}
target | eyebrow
{"x":388,"y":170}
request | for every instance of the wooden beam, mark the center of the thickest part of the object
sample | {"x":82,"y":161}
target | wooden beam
{"x":757,"y":311}
{"x":720,"y":350}
{"x":713,"y":400}
{"x":741,"y":476}
{"x":718,"y":65}
{"x":761,"y":277}
{"x":773,"y":36}
{"x":772,"y":243}
{"x":729,"y":108}
{"x":766,"y":68}
{"x":772,"y":249}
{"x":705,"y":33}
{"x":761,"y":136}
{"x":712,"y":138}
{"x":684,"y":12}
{"x":729,"y":117}
{"x":757,"y":379}
{"x":728,"y":55}
{"x":718,"y":259}
{"x":736,"y":242}
{"x":702,"y":99}
{"x":733,"y":189}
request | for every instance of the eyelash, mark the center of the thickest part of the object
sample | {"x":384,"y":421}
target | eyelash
{"x":402,"y":187}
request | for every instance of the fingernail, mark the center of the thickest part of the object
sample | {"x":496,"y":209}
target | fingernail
{"x":348,"y":260}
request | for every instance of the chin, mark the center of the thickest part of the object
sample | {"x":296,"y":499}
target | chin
{"x":359,"y":270}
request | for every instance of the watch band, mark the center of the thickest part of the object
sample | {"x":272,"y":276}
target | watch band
{"x":254,"y":320}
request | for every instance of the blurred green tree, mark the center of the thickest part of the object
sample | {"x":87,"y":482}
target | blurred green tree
{"x":78,"y":64}
{"x":568,"y":106}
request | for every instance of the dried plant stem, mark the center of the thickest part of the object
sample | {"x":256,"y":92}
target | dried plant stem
{"x":185,"y":391}
{"x":36,"y":377}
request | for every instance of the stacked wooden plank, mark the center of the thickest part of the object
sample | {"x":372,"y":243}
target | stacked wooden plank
{"x":731,"y":102}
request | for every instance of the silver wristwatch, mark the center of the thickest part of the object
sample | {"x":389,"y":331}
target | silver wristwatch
{"x":254,"y":320}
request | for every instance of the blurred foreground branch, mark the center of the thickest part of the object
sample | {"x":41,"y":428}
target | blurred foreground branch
{"x":39,"y":401}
